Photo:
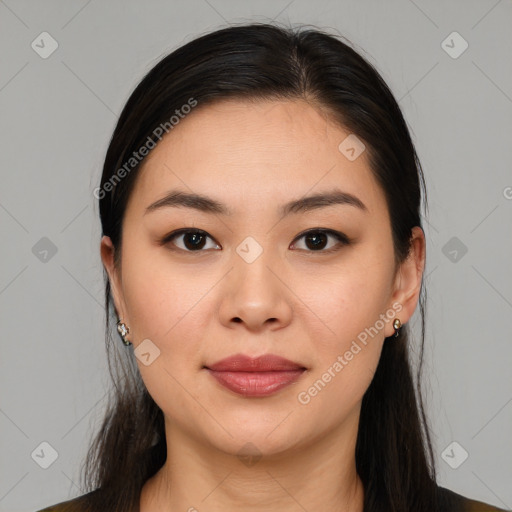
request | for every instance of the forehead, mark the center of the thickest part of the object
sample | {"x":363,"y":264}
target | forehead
{"x":265,"y":151}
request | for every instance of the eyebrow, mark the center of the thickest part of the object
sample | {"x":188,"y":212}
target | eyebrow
{"x":178,"y":198}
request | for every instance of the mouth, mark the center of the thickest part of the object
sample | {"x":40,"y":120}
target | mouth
{"x":255,"y":377}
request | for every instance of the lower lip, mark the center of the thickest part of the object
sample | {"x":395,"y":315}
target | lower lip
{"x":256,"y":384}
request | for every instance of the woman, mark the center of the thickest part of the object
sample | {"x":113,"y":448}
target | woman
{"x":264,"y":252}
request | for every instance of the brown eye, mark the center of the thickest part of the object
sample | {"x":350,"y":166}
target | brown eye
{"x":193,"y":240}
{"x":316,"y":240}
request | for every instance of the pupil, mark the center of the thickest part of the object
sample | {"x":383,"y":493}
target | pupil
{"x":195,"y":244}
{"x":316,"y":237}
{"x":313,"y":241}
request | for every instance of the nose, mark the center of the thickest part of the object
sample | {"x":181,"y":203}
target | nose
{"x":255,"y":296}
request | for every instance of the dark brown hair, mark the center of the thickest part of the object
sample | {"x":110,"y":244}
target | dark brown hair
{"x":255,"y":61}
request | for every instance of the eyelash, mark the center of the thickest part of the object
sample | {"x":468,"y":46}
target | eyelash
{"x":342,"y":239}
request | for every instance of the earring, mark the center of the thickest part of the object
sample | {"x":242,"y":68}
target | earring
{"x":123,"y":330}
{"x":396,"y":325}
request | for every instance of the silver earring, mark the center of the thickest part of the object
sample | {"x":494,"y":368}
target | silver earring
{"x":123,"y":330}
{"x":396,"y":325}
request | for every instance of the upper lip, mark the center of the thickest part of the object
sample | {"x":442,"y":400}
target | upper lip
{"x":264,"y":363}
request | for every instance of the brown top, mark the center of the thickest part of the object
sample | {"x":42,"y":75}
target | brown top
{"x":462,"y":504}
{"x":465,"y":504}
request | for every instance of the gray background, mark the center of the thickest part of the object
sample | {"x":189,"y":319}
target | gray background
{"x":57,"y":117}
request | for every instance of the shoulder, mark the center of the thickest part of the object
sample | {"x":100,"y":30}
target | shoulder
{"x":74,"y":505}
{"x":463,"y":503}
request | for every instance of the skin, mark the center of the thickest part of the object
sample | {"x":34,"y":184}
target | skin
{"x":294,"y":301}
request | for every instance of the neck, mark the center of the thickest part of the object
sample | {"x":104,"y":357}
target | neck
{"x":196,"y":477}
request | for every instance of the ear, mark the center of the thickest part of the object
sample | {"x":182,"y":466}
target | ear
{"x":407,"y":283}
{"x":107,"y":251}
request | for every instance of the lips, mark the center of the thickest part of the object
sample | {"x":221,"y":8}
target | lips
{"x":255,"y":377}
{"x":265,"y":363}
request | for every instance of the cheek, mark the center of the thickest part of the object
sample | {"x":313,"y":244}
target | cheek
{"x":160,"y":298}
{"x":347,"y":332}
{"x":347,"y":302}
{"x":165,"y":307}
{"x":347,"y":354}
{"x":333,"y":394}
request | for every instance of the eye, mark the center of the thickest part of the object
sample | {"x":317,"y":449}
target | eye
{"x":317,"y":238}
{"x":193,"y":239}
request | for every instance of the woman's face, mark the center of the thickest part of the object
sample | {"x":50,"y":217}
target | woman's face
{"x":252,"y":283}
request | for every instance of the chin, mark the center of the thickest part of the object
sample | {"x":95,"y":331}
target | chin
{"x":258,"y":441}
